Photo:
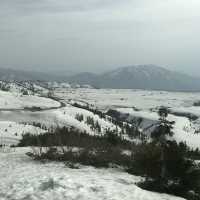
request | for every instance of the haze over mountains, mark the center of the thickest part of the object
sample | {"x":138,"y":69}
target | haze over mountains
{"x":13,"y":74}
{"x":132,"y":77}
{"x":140,"y":77}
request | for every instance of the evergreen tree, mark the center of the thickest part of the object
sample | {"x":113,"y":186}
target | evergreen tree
{"x":160,"y":136}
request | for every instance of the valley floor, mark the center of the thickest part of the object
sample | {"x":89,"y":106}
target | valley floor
{"x":23,"y":178}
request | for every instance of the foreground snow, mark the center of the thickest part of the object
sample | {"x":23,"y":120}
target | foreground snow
{"x":22,"y":178}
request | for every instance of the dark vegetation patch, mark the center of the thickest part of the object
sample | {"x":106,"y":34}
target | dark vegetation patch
{"x":94,"y":111}
{"x":197,"y":103}
{"x":182,"y":177}
{"x":4,"y":86}
{"x":93,"y":150}
{"x":72,"y":137}
{"x":166,"y":164}
{"x":33,"y":108}
{"x":190,"y":116}
{"x":117,"y":117}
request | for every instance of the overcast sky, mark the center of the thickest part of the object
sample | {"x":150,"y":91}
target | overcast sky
{"x":89,"y":35}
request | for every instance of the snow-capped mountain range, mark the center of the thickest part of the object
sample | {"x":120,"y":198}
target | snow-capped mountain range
{"x":150,"y":77}
{"x":140,"y":77}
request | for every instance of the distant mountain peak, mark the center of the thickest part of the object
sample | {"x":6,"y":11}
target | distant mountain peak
{"x":150,"y":77}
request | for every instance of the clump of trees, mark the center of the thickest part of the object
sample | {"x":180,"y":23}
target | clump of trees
{"x":79,"y":117}
{"x":197,"y":103}
{"x":4,"y":87}
{"x":93,"y":110}
{"x":94,"y":125}
{"x":24,"y":91}
{"x":166,"y":164}
{"x":98,"y":151}
{"x":131,"y":128}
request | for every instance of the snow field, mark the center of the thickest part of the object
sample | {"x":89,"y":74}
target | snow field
{"x":9,"y":100}
{"x":11,"y":132}
{"x":22,"y":178}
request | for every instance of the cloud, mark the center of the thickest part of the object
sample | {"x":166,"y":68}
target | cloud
{"x":99,"y":33}
{"x":51,"y":6}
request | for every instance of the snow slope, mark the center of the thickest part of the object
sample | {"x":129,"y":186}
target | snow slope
{"x":65,"y":116}
{"x":11,"y":132}
{"x":11,"y":100}
{"x":23,"y":178}
{"x":70,"y":112}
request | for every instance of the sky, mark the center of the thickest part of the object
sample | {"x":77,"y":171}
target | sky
{"x":97,"y":35}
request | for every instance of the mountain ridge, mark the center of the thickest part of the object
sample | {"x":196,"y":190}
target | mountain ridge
{"x":150,"y":77}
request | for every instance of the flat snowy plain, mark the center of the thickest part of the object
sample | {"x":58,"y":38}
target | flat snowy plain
{"x":141,"y":103}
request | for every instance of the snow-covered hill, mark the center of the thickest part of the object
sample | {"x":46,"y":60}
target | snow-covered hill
{"x":13,"y":100}
{"x":140,"y":77}
{"x":11,"y":132}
